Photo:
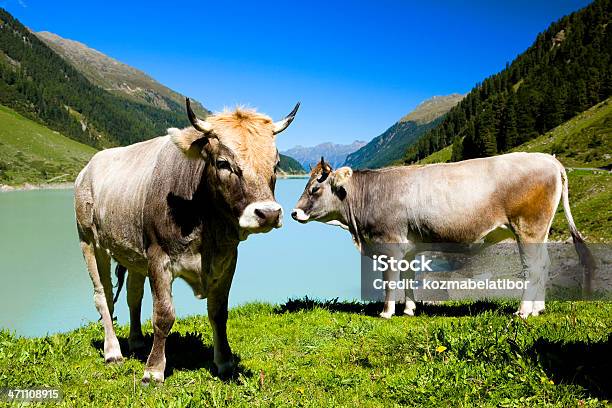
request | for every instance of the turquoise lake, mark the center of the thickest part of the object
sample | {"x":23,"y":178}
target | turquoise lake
{"x":45,"y":286}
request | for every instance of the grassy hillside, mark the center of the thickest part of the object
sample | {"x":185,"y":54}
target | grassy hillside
{"x":590,"y":197}
{"x":339,"y":354}
{"x":584,"y":141}
{"x":31,"y":153}
{"x":441,"y":156}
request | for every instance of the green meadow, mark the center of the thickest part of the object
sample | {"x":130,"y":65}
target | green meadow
{"x":307,"y":353}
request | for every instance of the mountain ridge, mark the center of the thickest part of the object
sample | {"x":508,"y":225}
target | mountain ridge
{"x":390,"y":145}
{"x":334,"y":153}
{"x":117,"y":77}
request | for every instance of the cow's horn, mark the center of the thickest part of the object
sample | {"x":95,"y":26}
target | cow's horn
{"x":325,"y":170}
{"x":324,"y":166}
{"x":199,"y":124}
{"x":282,"y":124}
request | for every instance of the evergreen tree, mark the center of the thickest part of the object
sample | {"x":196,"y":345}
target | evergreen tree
{"x":457,"y":153}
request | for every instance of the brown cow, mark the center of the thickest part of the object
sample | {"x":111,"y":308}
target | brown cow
{"x":177,"y":206}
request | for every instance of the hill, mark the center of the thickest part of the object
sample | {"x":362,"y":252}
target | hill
{"x":583,"y":141}
{"x":391,"y":145}
{"x":117,"y":77}
{"x":41,"y":85}
{"x":567,"y":69}
{"x":289,"y":166}
{"x":31,"y":153}
{"x":335,"y":154}
{"x":320,"y":354}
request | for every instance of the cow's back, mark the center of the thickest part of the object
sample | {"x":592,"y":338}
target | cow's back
{"x":110,"y":195}
{"x":459,"y":201}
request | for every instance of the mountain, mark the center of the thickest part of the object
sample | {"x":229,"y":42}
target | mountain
{"x":566,"y":70}
{"x":391,"y":145}
{"x":117,"y":77}
{"x":31,"y":153}
{"x":289,"y":166}
{"x":40,"y":85}
{"x":335,"y":154}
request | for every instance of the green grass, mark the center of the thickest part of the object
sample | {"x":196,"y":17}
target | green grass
{"x":441,"y":156}
{"x":32,"y":153}
{"x":337,"y":354}
{"x":590,"y":196}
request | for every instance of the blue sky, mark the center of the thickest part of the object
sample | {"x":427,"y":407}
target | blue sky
{"x":357,"y":67}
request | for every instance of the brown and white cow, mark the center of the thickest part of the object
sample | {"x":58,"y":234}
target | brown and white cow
{"x":451,"y":203}
{"x":177,"y":206}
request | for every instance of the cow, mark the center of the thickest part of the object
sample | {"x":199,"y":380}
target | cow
{"x":459,"y":202}
{"x":177,"y":206}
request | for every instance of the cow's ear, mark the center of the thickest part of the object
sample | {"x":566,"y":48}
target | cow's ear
{"x":341,"y":176}
{"x":189,"y":141}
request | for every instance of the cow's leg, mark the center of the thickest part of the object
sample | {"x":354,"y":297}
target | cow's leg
{"x":160,"y":279}
{"x":220,"y":281}
{"x":409,"y":306}
{"x":390,"y":294}
{"x":535,"y":263}
{"x":98,"y":265}
{"x":135,"y":285}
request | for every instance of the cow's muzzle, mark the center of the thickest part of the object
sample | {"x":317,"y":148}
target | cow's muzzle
{"x":299,"y":215}
{"x":261,"y":216}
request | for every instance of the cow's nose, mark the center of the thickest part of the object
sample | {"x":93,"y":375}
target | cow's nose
{"x":268,"y":216}
{"x":294,"y":214}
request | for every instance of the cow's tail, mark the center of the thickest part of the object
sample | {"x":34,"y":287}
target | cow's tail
{"x":584,"y":253}
{"x":120,"y":271}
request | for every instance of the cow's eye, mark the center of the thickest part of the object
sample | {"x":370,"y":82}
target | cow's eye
{"x":224,"y":165}
{"x":314,"y":190}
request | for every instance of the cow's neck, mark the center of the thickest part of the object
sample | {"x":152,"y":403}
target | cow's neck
{"x":354,"y":209}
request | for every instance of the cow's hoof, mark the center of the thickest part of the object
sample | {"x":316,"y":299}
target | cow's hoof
{"x":386,"y":315}
{"x":113,"y":357}
{"x":409,"y":312}
{"x":525,"y":314}
{"x":538,"y":307}
{"x":225,"y":369}
{"x":151,"y":376}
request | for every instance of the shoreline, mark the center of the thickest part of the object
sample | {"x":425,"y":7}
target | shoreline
{"x":5,"y":188}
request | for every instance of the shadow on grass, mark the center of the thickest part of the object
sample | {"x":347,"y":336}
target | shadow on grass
{"x":451,"y":309}
{"x":584,"y":364}
{"x":183,"y":352}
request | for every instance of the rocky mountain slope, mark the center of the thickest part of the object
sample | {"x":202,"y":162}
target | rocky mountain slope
{"x":117,"y":77}
{"x":391,"y":145}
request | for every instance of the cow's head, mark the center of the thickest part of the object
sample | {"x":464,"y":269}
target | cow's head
{"x":323,"y":196}
{"x":241,"y":160}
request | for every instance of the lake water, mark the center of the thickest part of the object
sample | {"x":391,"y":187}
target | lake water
{"x":45,"y":286}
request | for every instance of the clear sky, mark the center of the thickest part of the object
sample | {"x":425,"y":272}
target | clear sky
{"x":357,"y":67}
